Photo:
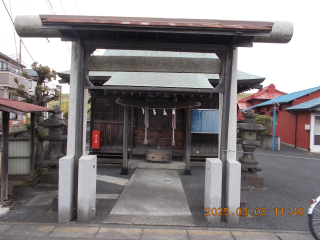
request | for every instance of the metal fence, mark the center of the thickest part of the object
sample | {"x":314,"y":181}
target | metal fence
{"x":19,"y":156}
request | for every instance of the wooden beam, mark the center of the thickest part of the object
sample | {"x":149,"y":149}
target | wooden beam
{"x":156,"y":89}
{"x":188,"y":142}
{"x":5,"y":154}
{"x":155,"y":46}
{"x":32,"y":141}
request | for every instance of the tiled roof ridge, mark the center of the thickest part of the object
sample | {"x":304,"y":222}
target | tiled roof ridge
{"x":261,"y":92}
{"x":288,"y":97}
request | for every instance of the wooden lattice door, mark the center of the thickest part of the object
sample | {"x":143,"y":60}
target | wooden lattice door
{"x":159,"y":132}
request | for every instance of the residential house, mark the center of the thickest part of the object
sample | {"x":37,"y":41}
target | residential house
{"x":297,"y":118}
{"x":9,"y":70}
{"x":263,"y":95}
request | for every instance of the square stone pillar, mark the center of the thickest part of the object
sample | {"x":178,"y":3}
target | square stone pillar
{"x":65,"y":200}
{"x":87,"y":188}
{"x":233,"y":190}
{"x":212,"y":188}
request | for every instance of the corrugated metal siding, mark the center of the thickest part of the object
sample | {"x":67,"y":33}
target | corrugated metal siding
{"x":19,"y":149}
{"x":286,"y":127}
{"x":303,"y":136}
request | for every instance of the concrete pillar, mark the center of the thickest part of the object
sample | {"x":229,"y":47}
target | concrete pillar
{"x":72,"y":100}
{"x":87,"y":187}
{"x":233,"y":190}
{"x":212,"y":189}
{"x":65,"y":201}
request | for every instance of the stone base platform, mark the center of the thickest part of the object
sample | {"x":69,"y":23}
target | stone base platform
{"x":143,"y":164}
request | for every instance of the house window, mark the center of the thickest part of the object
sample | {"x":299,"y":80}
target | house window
{"x":30,"y":84}
{"x":13,"y":97}
{"x":3,"y":65}
{"x":317,"y":130}
{"x":276,"y":117}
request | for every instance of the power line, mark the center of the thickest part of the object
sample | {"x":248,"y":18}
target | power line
{"x":27,"y":50}
{"x":78,"y":7}
{"x":52,"y":11}
{"x":62,"y":8}
{"x":14,"y":34}
{"x":13,"y":25}
{"x":50,"y":7}
{"x":7,"y":11}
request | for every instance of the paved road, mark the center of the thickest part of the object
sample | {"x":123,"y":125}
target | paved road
{"x":76,"y":231}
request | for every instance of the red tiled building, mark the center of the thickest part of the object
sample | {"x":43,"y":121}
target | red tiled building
{"x":297,"y":118}
{"x":263,"y":95}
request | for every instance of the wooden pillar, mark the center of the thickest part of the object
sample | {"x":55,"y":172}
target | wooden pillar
{"x":187,"y":170}
{"x":227,"y":61}
{"x":5,"y":155}
{"x":32,"y":141}
{"x":124,"y":170}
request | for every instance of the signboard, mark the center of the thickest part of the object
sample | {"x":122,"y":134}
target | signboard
{"x":205,"y":121}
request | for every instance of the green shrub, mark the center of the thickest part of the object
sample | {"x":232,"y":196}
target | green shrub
{"x":265,"y":121}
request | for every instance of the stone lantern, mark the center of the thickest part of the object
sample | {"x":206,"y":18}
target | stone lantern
{"x":57,"y":127}
{"x":249,"y":165}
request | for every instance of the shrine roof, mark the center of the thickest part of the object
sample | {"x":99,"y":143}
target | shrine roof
{"x":155,"y":79}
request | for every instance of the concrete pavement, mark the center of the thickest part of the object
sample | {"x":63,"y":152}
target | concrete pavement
{"x":89,"y":231}
{"x":152,"y":197}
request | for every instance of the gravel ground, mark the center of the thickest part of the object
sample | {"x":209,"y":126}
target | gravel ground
{"x":291,"y":182}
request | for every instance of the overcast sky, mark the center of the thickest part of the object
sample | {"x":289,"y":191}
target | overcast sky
{"x":291,"y":67}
